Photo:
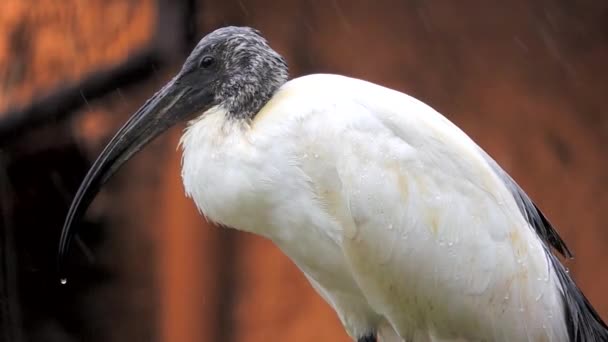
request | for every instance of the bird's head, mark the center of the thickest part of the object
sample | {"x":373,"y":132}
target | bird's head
{"x":232,"y":67}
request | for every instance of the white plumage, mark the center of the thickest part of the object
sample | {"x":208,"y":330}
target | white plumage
{"x":403,"y":224}
{"x":391,"y":211}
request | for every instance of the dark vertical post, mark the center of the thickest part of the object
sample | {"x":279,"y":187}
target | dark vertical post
{"x":10,"y":314}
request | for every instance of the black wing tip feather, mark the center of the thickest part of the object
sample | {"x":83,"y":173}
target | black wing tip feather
{"x":583,"y":322}
{"x":550,"y":234}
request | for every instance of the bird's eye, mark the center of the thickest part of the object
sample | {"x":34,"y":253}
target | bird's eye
{"x":206,"y":62}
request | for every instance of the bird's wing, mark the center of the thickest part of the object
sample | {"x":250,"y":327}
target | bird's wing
{"x":530,"y":211}
{"x":437,"y":236}
{"x":433,"y":234}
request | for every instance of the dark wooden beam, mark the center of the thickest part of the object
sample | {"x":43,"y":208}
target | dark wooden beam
{"x":60,"y":103}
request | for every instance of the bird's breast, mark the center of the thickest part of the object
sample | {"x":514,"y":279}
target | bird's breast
{"x":249,"y":180}
{"x":220,"y":168}
{"x":254,"y":182}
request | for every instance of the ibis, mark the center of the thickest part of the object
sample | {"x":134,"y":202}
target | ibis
{"x":399,"y":220}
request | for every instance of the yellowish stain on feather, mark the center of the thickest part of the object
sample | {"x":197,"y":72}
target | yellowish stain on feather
{"x":520,"y":252}
{"x":331,"y":201}
{"x":402,"y":184}
{"x":543,"y":338}
{"x":517,"y":243}
{"x":403,"y":188}
{"x":434,"y":222}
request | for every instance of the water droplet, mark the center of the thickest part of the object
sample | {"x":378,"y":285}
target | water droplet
{"x":316,"y":156}
{"x":63,"y":281}
{"x":450,"y":244}
{"x":507,"y":297}
{"x":390,"y":226}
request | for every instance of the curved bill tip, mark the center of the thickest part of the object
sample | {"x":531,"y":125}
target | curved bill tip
{"x":158,"y":114}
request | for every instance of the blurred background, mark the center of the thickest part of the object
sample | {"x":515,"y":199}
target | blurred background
{"x":527,"y":80}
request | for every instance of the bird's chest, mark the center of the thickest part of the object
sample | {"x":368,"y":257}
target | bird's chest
{"x":244,"y":183}
{"x":226,"y":181}
{"x":250,"y":184}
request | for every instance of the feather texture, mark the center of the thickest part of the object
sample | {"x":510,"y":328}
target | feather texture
{"x":397,"y":218}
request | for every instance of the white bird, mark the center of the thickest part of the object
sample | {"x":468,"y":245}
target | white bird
{"x":405,"y":226}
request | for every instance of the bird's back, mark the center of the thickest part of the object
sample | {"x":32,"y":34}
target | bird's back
{"x":406,"y":215}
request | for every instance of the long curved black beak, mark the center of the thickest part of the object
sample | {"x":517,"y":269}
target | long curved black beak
{"x":168,"y":106}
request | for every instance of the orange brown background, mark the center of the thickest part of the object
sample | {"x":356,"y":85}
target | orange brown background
{"x":527,"y":80}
